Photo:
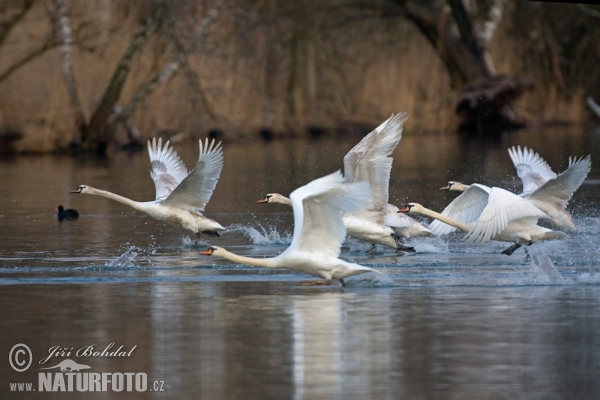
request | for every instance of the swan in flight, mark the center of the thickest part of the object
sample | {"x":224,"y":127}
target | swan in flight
{"x":318,"y":231}
{"x":486,"y":213}
{"x":378,"y":222}
{"x":546,"y":190}
{"x":180,"y":196}
{"x":541,"y":186}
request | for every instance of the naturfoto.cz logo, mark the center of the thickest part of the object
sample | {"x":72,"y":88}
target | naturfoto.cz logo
{"x":70,"y":376}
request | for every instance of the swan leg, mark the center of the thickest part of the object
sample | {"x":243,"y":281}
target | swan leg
{"x":197,"y":238}
{"x":400,"y":246}
{"x":511,"y":249}
{"x":212,"y":233}
{"x":371,"y":249}
{"x":314,"y":283}
{"x":343,"y":283}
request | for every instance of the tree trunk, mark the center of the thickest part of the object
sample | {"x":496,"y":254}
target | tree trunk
{"x":66,"y":40}
{"x":167,"y":72}
{"x":95,"y":136}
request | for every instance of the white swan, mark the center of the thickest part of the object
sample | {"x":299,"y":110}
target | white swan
{"x":378,"y":222}
{"x":546,"y":190}
{"x":541,"y":186}
{"x":180,"y":196}
{"x":318,"y":231}
{"x":490,"y":213}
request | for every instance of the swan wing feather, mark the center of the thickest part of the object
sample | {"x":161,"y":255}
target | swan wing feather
{"x":531,"y":168}
{"x":318,"y":207}
{"x":558,"y":191}
{"x":465,"y":208}
{"x":166,"y":168}
{"x":502,"y":208}
{"x":194,"y":192}
{"x":370,"y":159}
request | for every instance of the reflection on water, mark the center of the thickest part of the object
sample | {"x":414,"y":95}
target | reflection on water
{"x":459,"y":321}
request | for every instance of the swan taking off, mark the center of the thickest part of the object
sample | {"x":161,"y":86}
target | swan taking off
{"x":318,"y":231}
{"x":180,"y":196}
{"x":541,"y":186}
{"x":546,"y":190}
{"x":378,"y":222}
{"x":486,"y":213}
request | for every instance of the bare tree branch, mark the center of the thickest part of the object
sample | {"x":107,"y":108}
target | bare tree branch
{"x":7,"y":27}
{"x":50,"y":43}
{"x":66,"y":41}
{"x":167,"y":72}
{"x":95,"y":135}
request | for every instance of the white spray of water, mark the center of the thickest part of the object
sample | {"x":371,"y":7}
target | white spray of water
{"x":125,"y":259}
{"x":262,"y":235}
{"x":370,"y":279}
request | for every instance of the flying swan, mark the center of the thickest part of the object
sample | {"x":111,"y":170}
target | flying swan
{"x":541,"y":186}
{"x":318,"y":231}
{"x":378,"y":222}
{"x":486,"y":213}
{"x":180,"y":196}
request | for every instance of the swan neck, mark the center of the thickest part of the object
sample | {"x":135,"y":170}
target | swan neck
{"x":109,"y":195}
{"x":452,"y":222}
{"x":255,"y":262}
{"x":283,"y":200}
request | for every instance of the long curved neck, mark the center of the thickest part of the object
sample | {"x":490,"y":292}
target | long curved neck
{"x":282,"y":200}
{"x":459,"y":187}
{"x":135,"y":204}
{"x":452,"y":222}
{"x":256,"y":262}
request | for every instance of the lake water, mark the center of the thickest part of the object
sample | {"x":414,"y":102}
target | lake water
{"x":455,"y":322}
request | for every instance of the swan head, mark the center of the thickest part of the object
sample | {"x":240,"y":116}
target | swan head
{"x":455,"y":186}
{"x":410,"y":207}
{"x":83,"y":189}
{"x":274,"y":198}
{"x":212,"y":251}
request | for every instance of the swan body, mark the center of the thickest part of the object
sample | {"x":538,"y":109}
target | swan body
{"x":486,"y":213}
{"x":358,"y":226}
{"x":542,"y":187}
{"x":378,"y":222}
{"x":180,"y":196}
{"x":318,"y":231}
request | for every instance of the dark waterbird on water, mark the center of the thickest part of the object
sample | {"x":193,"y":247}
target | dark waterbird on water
{"x":68,"y":214}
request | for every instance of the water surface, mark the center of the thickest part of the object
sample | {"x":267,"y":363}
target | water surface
{"x":455,"y":320}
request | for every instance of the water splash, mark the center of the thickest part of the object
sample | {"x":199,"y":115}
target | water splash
{"x":544,"y":271}
{"x":370,"y":279}
{"x":262,"y":235}
{"x":125,"y":260}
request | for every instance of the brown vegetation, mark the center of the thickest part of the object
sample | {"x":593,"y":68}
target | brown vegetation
{"x":279,"y":68}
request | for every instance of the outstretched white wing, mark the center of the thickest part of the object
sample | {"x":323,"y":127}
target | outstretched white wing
{"x":531,"y":168}
{"x":370,"y":159}
{"x":465,"y":208}
{"x":503,"y":207}
{"x":166,"y":168}
{"x":194,"y":192}
{"x":318,"y":207}
{"x":558,"y":191}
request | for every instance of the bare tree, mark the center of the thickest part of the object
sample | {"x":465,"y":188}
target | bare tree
{"x":169,"y":70}
{"x":95,"y":136}
{"x":66,"y":53}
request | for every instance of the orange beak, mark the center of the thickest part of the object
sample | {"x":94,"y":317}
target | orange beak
{"x":404,"y":209}
{"x":207,"y":252}
{"x":263,"y":200}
